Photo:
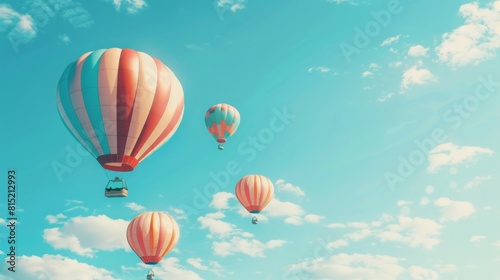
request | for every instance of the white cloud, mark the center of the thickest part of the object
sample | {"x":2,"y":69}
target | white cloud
{"x":352,"y":2}
{"x":72,"y":201}
{"x":496,"y":243}
{"x":385,"y":97}
{"x":358,"y":225}
{"x":359,"y":234}
{"x":366,"y":74}
{"x":77,"y":208}
{"x":54,"y":219}
{"x":278,"y":208}
{"x":294,"y":220}
{"x":215,"y":226}
{"x":221,"y":200}
{"x":446,"y":268}
{"x":337,"y":244}
{"x":287,"y":187}
{"x":20,"y":28}
{"x":178,"y":214}
{"x":131,"y":6}
{"x":314,"y":219}
{"x":212,"y":266}
{"x":336,"y":225}
{"x":416,"y":76}
{"x":64,"y":38}
{"x":373,"y":66}
{"x":454,"y":210}
{"x":390,"y":40}
{"x":59,"y":267}
{"x":396,"y":64}
{"x":232,"y":5}
{"x":250,"y":247}
{"x":451,"y":154}
{"x":476,"y":181}
{"x":357,"y":266}
{"x":170,"y":268}
{"x":197,"y":47}
{"x":80,"y":236}
{"x":429,"y":189}
{"x":418,"y":50}
{"x":403,"y":203}
{"x":420,"y":273}
{"x":477,"y":238}
{"x":134,"y":206}
{"x":412,"y":231}
{"x":424,"y":201}
{"x":320,"y":69}
{"x":474,"y":41}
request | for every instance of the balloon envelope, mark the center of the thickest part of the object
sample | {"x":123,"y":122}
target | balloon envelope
{"x":222,"y":121}
{"x":254,"y":192}
{"x":152,"y":235}
{"x":120,"y":104}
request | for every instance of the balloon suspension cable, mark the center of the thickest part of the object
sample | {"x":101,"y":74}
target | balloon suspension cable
{"x":106,"y":173}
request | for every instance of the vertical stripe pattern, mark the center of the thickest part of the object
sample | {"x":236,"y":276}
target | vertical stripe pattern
{"x":121,"y":105}
{"x":152,"y":235}
{"x":254,"y":192}
{"x":222,"y":121}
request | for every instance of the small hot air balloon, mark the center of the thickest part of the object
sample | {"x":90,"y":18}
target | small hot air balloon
{"x":152,"y":235}
{"x":254,"y":192}
{"x":120,"y":104}
{"x":222,"y":121}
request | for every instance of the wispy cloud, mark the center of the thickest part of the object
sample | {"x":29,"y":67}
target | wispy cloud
{"x":131,"y":6}
{"x":385,"y":97}
{"x":55,"y":219}
{"x":289,"y":188}
{"x":171,"y":268}
{"x":134,"y":206}
{"x":477,"y":238}
{"x":232,"y":5}
{"x":352,"y":2}
{"x":476,"y":181}
{"x":451,"y":154}
{"x":390,"y":40}
{"x":320,"y":69}
{"x":366,"y":74}
{"x":211,"y":266}
{"x":454,"y":210}
{"x":197,"y":47}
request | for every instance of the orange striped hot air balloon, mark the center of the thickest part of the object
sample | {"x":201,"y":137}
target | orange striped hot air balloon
{"x":152,"y":235}
{"x":254,"y":192}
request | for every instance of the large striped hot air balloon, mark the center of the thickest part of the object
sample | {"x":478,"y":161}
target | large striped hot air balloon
{"x":152,"y":235}
{"x":222,"y":121}
{"x":254,"y":192}
{"x":120,"y":104}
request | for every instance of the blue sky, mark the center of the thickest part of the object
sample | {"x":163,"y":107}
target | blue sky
{"x":384,"y":160}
